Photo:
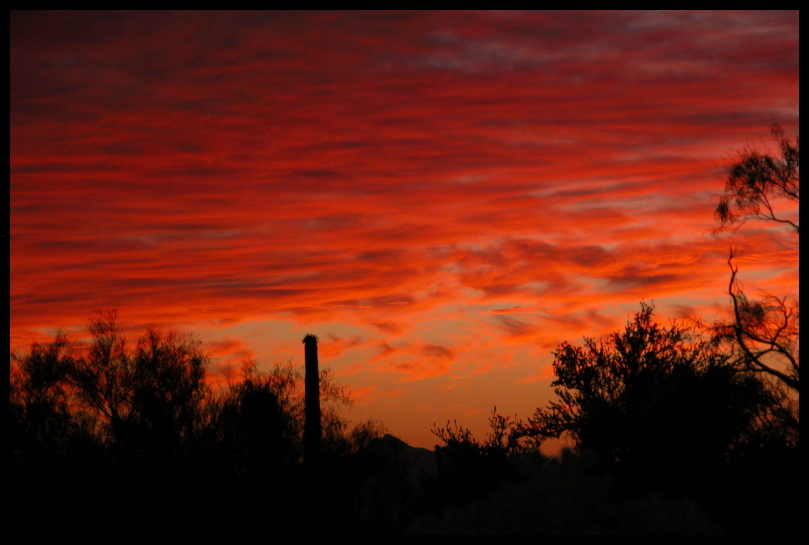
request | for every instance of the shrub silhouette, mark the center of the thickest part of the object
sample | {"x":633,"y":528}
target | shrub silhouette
{"x":469,"y":469}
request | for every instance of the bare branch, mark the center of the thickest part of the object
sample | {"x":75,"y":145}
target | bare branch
{"x":744,"y":332}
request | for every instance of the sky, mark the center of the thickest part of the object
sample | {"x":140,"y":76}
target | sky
{"x":441,"y":197}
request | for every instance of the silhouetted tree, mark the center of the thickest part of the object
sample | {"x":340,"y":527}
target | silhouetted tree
{"x":103,"y":376}
{"x":168,"y":398}
{"x":43,"y":418}
{"x":755,"y":180}
{"x":655,"y":403}
{"x":135,"y":434}
{"x":765,"y":330}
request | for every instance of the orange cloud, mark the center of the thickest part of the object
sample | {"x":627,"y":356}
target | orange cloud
{"x":443,"y":194}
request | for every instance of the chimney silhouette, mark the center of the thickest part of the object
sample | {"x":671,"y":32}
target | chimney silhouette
{"x":312,"y":431}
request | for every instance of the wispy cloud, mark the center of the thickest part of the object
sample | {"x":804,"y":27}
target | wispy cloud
{"x":434,"y":191}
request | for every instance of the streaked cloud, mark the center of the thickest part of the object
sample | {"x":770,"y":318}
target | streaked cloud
{"x":436,"y":195}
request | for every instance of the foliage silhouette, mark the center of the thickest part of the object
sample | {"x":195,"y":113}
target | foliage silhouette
{"x":251,"y":432}
{"x":657,"y":405}
{"x":764,"y":331}
{"x":464,"y":455}
{"x":675,"y":434}
{"x":139,"y":437}
{"x":679,"y":436}
{"x":504,"y":437}
{"x":755,"y":180}
{"x":762,"y":334}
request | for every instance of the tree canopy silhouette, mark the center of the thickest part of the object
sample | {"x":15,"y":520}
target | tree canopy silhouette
{"x":652,"y":401}
{"x":137,"y":434}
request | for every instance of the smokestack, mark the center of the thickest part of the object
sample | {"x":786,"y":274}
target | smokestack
{"x":311,"y":426}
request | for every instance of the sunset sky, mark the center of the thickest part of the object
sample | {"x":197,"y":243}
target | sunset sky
{"x":441,"y":197}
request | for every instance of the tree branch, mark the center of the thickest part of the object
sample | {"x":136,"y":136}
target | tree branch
{"x":741,"y":332}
